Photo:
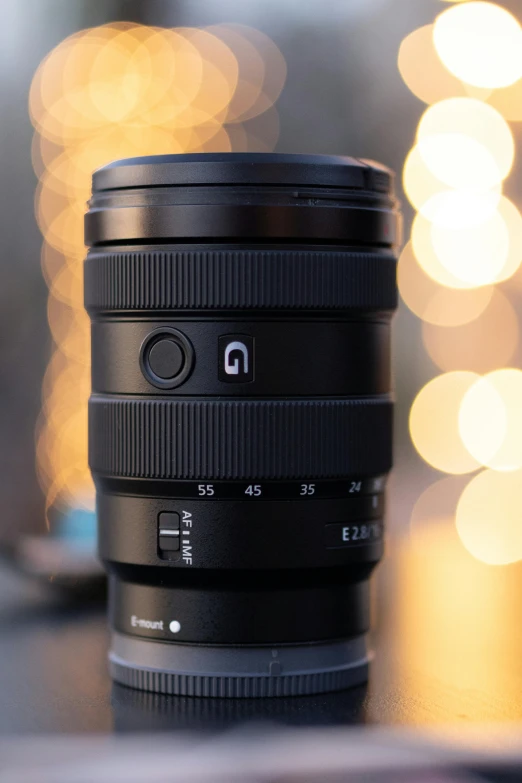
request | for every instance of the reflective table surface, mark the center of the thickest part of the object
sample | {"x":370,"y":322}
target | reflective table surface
{"x":447,"y":641}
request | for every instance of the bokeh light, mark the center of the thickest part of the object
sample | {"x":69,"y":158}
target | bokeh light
{"x":489,"y":515}
{"x":462,"y":204}
{"x":454,"y":631}
{"x":459,"y":161}
{"x":480,"y":43}
{"x":437,"y":304}
{"x":261,"y":74}
{"x":462,"y":207}
{"x":131,"y":76}
{"x":115,"y":91}
{"x":419,"y":183}
{"x":434,"y":423}
{"x":463,"y":257}
{"x":483,"y":344}
{"x":432,"y":82}
{"x":490,"y":420}
{"x":512,"y":218}
{"x":466,"y":238}
{"x":475,"y":119}
{"x":258,"y":134}
{"x":437,"y":505}
{"x":508,"y":101}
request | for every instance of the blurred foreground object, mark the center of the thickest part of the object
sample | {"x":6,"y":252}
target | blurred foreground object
{"x":361,"y":756}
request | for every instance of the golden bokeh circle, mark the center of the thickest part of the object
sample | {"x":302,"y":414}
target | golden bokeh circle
{"x":474,"y":254}
{"x":114,"y":91}
{"x":459,"y":161}
{"x":508,"y":101}
{"x":434,"y":303}
{"x":432,"y":82}
{"x":488,"y":517}
{"x":490,"y":420}
{"x":433,"y":198}
{"x":480,"y":43}
{"x":439,"y":250}
{"x":436,"y":506}
{"x":512,"y":218}
{"x":483,"y":344}
{"x":476,"y":119}
{"x":434,"y":423}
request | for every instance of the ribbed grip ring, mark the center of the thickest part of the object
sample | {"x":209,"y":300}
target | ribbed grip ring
{"x":239,"y":279}
{"x":237,"y":687}
{"x":258,"y":439}
{"x":238,"y":672}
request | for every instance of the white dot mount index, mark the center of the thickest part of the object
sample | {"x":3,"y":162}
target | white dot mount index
{"x":174,"y":626}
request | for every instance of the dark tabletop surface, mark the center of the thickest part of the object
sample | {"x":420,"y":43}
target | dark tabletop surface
{"x":447,"y":642}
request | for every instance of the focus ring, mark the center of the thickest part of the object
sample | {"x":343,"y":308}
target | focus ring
{"x":258,"y":439}
{"x":239,"y":279}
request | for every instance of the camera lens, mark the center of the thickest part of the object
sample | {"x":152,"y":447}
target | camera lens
{"x":240,"y":423}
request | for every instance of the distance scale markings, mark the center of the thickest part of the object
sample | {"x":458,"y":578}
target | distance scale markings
{"x":307,"y":489}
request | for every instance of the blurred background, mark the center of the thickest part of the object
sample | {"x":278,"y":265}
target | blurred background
{"x":83,"y":83}
{"x":432,"y":89}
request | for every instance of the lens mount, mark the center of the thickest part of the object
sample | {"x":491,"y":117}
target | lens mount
{"x":238,"y":672}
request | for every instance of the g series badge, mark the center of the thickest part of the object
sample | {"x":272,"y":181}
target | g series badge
{"x":236,"y":358}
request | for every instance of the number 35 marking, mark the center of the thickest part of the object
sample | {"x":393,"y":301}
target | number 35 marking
{"x":307,"y":489}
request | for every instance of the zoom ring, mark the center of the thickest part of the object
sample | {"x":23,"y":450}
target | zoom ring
{"x":259,"y":439}
{"x":239,"y":279}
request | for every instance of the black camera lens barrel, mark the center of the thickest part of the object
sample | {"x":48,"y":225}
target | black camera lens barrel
{"x":240,"y":425}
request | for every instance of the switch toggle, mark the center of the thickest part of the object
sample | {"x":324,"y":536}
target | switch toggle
{"x":168,"y":531}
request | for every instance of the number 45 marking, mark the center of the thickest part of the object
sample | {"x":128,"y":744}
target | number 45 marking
{"x":253,"y":489}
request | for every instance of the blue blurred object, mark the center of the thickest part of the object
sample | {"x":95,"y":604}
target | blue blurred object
{"x":77,"y":528}
{"x":65,"y":557}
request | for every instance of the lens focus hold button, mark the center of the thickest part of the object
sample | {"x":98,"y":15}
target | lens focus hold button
{"x":166,"y":358}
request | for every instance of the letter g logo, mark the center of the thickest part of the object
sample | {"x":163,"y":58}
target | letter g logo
{"x":232,"y":365}
{"x":236,"y":358}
